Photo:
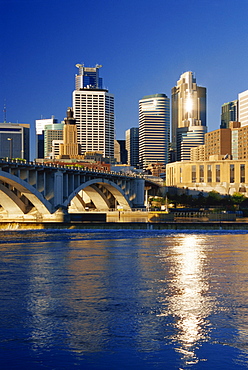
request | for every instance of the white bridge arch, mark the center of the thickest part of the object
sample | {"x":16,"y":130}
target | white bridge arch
{"x":30,"y":191}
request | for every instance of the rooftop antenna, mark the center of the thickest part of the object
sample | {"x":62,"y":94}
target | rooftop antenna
{"x":4,"y":111}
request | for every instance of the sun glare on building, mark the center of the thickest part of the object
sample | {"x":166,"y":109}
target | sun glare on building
{"x":189,"y":104}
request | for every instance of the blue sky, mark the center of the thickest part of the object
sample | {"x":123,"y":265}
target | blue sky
{"x":144,"y":47}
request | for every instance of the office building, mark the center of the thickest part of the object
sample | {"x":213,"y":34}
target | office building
{"x":154,"y":129}
{"x":51,"y":132}
{"x":243,"y":108}
{"x":94,"y":113}
{"x":55,"y":148}
{"x":120,"y":151}
{"x":14,"y":140}
{"x":229,"y":112}
{"x":197,"y":153}
{"x":224,"y":143}
{"x":40,"y":139}
{"x":132,"y":146}
{"x":193,"y":137}
{"x":69,"y":148}
{"x":242,"y":141}
{"x":218,"y":143}
{"x":188,"y":102}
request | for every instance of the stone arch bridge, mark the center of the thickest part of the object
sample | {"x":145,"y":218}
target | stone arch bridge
{"x":44,"y":193}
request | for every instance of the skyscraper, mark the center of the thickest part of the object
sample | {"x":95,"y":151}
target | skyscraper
{"x":243,"y":108}
{"x":93,"y":109}
{"x":188,"y":112}
{"x":154,"y":129}
{"x":132,"y":146}
{"x":229,"y":112}
{"x":120,"y":151}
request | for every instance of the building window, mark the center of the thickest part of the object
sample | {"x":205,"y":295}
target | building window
{"x":217,"y":173}
{"x":193,"y":174}
{"x":201,"y":173}
{"x":231,"y":173}
{"x":242,"y":173}
{"x":209,"y":173}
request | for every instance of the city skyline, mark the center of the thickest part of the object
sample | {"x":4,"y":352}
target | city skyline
{"x":143,"y":50}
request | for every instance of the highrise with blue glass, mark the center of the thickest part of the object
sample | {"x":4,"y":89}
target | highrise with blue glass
{"x":88,"y":77}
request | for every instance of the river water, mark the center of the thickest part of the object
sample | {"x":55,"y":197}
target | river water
{"x":123,"y":300}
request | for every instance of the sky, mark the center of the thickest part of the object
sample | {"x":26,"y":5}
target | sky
{"x":144,"y":46}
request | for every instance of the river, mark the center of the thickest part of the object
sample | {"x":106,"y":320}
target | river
{"x":123,"y":299}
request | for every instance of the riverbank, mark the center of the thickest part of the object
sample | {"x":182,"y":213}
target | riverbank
{"x":186,"y":225}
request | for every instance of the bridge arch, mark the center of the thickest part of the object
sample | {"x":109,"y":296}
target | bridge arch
{"x":11,"y":203}
{"x":8,"y":198}
{"x":97,"y":196}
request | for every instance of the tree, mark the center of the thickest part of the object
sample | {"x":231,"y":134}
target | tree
{"x":238,"y":198}
{"x":214,"y":198}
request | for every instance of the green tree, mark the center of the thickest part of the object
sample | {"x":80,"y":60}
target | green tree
{"x":238,"y":198}
{"x":214,"y":198}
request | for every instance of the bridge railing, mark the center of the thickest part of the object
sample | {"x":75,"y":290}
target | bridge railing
{"x":20,"y":161}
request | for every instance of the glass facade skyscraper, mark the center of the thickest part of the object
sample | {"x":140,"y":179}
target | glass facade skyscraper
{"x":188,"y":101}
{"x":154,"y":129}
{"x":132,"y":146}
{"x":229,"y":112}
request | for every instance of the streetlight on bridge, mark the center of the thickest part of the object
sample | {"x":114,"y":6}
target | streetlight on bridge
{"x":10,"y":139}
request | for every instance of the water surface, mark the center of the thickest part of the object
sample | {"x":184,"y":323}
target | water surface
{"x":123,"y":299}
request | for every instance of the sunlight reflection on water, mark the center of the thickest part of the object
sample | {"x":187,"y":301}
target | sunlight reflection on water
{"x":125,"y":299}
{"x":188,"y":287}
